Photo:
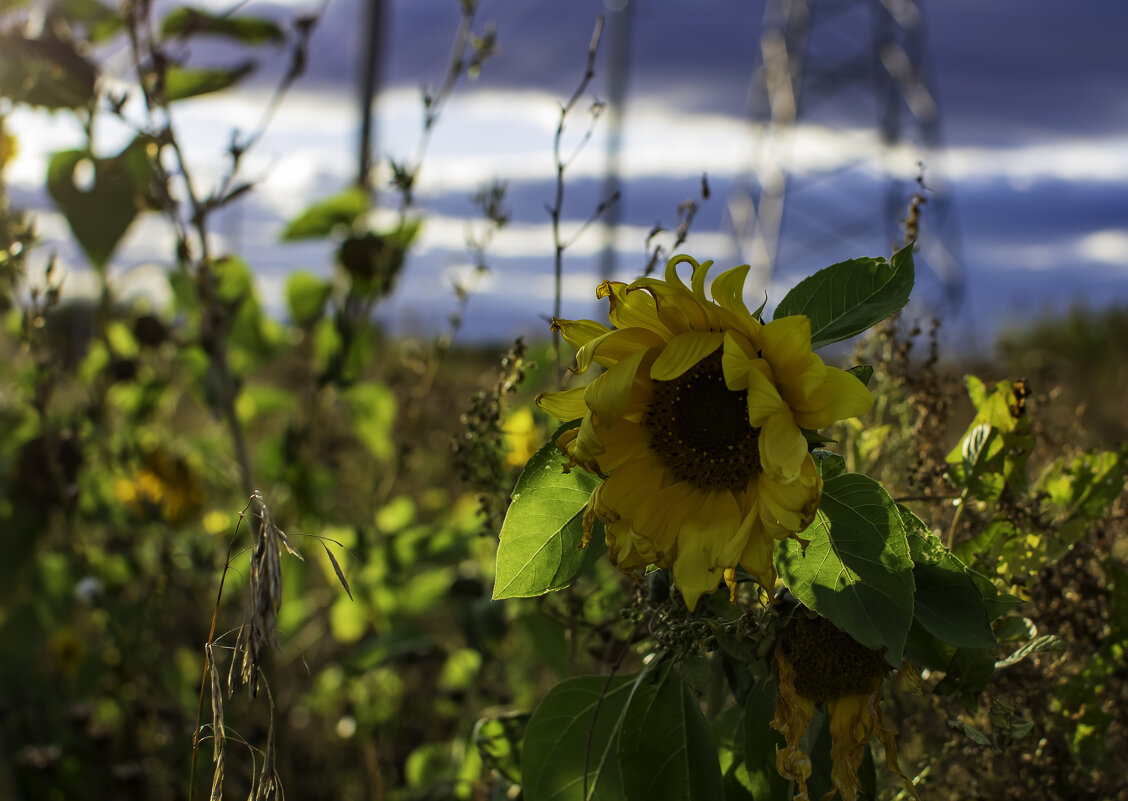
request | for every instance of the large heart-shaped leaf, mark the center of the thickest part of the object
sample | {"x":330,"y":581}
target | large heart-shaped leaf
{"x":856,"y":570}
{"x":666,"y":748}
{"x":575,"y":732}
{"x":101,"y":210}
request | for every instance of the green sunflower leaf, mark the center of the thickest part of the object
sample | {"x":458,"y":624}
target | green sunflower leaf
{"x":540,"y":549}
{"x":666,"y":748}
{"x":856,"y":570}
{"x":845,"y":299}
{"x":561,"y":741}
{"x":101,"y":210}
{"x":948,"y":602}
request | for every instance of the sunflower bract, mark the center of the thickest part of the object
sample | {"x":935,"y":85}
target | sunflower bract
{"x":695,"y":424}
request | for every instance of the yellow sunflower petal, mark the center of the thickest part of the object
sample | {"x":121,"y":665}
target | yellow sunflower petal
{"x":791,"y":506}
{"x":684,"y":351}
{"x":677,"y":307}
{"x":738,"y":358}
{"x":578,"y":333}
{"x":609,"y":395}
{"x":782,"y":446}
{"x":631,"y":309}
{"x":785,"y":340}
{"x":764,"y":400}
{"x":728,"y":290}
{"x":614,"y":346}
{"x":565,"y":405}
{"x":839,"y":396}
{"x":694,"y":574}
{"x":621,"y":444}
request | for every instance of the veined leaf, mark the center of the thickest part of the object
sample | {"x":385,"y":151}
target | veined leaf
{"x":947,"y":602}
{"x":539,"y":549}
{"x":856,"y":571}
{"x":666,"y":748}
{"x":561,"y":740}
{"x":847,"y":298}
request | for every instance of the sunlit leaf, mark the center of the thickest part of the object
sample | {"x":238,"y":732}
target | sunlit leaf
{"x":323,"y":217}
{"x":539,"y":550}
{"x":185,"y":21}
{"x":856,"y":570}
{"x":181,"y":82}
{"x":847,"y":298}
{"x":306,"y":295}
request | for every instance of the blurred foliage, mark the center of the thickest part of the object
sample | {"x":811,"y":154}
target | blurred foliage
{"x":133,"y":435}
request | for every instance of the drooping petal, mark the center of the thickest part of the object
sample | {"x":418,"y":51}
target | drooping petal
{"x":694,"y":574}
{"x":786,"y":344}
{"x":614,"y":346}
{"x":839,"y":396}
{"x":565,"y":405}
{"x":791,"y":506}
{"x":782,"y":446}
{"x":631,"y":309}
{"x":792,"y":717}
{"x":684,"y":351}
{"x":609,"y":394}
{"x":675,"y":305}
{"x":578,"y":333}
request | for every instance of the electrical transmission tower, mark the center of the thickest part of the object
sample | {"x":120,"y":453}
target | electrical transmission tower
{"x":843,"y":115}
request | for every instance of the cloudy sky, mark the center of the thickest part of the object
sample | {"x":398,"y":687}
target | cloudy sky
{"x":1028,"y":162}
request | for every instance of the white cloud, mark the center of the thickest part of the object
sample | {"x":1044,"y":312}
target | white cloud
{"x":1109,"y":246}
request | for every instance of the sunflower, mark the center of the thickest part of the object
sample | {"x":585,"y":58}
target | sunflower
{"x":818,"y":664}
{"x":696,"y":426}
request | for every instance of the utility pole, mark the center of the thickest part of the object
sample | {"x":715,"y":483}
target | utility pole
{"x":843,"y":114}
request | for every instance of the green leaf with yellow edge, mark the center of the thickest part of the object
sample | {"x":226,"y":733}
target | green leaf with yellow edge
{"x":666,"y":748}
{"x":845,"y":299}
{"x":323,"y":217}
{"x":561,"y":740}
{"x":856,"y":570}
{"x":539,"y":550}
{"x":102,"y":209}
{"x":182,"y":83}
{"x":186,"y":21}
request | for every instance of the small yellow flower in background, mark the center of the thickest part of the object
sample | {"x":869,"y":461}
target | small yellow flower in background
{"x":166,"y":483}
{"x":8,"y":147}
{"x":695,"y":426}
{"x":521,"y":437}
{"x":818,"y":664}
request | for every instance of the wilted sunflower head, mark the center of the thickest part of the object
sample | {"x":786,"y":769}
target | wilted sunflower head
{"x":696,"y":425}
{"x":819,"y":664}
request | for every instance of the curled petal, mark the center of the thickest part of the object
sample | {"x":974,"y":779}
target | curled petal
{"x":684,"y":351}
{"x":677,"y":307}
{"x":578,"y":333}
{"x":789,"y":508}
{"x":631,"y":309}
{"x":565,"y":405}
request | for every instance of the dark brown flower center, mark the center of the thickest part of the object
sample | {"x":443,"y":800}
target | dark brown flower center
{"x":699,"y":428}
{"x":828,"y":663}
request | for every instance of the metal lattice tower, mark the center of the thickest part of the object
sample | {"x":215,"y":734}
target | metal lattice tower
{"x":843,"y":113}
